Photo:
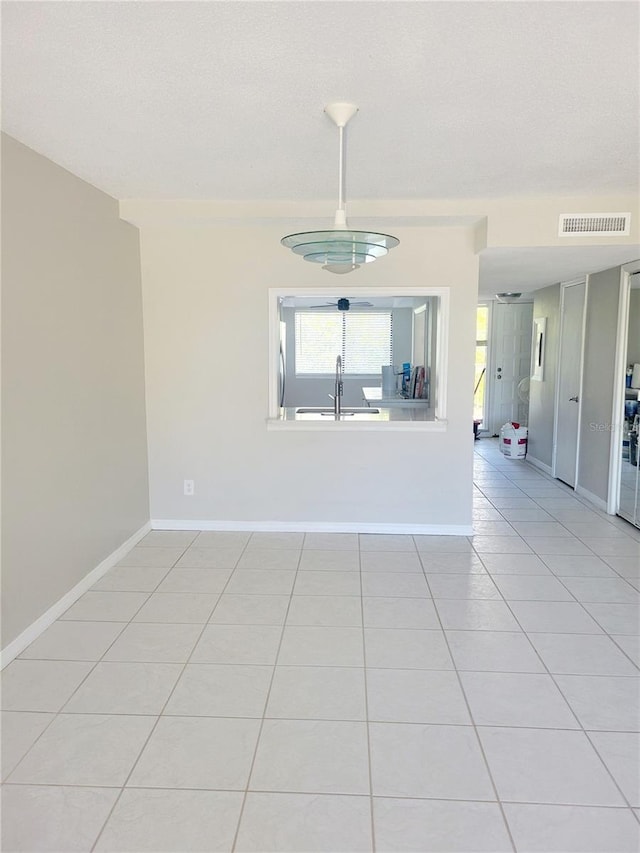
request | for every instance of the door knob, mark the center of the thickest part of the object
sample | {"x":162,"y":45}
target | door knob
{"x":573,"y":399}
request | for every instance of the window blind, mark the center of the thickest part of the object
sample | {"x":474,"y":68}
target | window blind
{"x":363,"y":339}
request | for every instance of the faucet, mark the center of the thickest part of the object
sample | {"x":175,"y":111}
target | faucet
{"x":337,"y":396}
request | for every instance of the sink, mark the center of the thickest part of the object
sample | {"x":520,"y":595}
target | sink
{"x":329,"y":412}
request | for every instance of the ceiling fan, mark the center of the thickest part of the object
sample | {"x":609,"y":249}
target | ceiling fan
{"x":344,"y":305}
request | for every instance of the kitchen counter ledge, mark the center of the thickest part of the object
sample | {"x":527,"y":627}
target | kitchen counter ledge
{"x":395,"y":419}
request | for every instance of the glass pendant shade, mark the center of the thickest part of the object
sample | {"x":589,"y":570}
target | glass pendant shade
{"x":339,"y":249}
{"x":339,"y":246}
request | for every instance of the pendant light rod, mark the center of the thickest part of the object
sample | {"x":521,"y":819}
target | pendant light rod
{"x":341,"y":114}
{"x":340,"y":249}
{"x":341,"y":204}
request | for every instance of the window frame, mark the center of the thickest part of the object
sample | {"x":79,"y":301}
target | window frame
{"x":439,"y":382}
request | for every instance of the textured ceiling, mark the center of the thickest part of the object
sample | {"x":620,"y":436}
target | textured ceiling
{"x":224,"y":99}
{"x":528,"y":269}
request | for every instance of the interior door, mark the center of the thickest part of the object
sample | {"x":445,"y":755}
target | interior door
{"x":569,"y":374}
{"x":511,"y":362}
{"x":629,"y":454}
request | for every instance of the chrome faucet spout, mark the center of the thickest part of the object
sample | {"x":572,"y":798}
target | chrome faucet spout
{"x":337,"y":399}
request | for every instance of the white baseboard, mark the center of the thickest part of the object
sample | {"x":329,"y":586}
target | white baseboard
{"x":541,"y":465}
{"x":314,"y":527}
{"x":594,"y":499}
{"x":49,"y":617}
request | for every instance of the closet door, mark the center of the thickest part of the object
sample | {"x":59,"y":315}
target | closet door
{"x":629,"y":495}
{"x":629,"y":499}
{"x":569,"y":376}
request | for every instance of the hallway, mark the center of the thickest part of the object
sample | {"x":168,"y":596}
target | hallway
{"x":222,"y":691}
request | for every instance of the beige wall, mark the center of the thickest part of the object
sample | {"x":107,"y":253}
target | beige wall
{"x":542,"y":395}
{"x":603,"y":296}
{"x":74,"y":461}
{"x":633,"y":346}
{"x":600,"y":344}
{"x":206,"y":341}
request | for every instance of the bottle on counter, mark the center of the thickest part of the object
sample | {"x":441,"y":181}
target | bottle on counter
{"x":629,"y":375}
{"x":406,"y":378}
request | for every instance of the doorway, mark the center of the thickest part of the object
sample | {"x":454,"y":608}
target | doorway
{"x":509,"y":363}
{"x":572,"y":309}
{"x":480,"y":396}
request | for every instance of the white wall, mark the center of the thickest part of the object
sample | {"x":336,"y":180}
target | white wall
{"x":74,"y":461}
{"x":205,"y":292}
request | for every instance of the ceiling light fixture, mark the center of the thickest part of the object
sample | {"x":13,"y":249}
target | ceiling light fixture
{"x":340,"y":249}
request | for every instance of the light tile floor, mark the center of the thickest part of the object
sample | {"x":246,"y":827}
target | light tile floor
{"x":335,"y":692}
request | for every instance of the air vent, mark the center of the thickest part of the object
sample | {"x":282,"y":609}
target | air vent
{"x":594,"y":225}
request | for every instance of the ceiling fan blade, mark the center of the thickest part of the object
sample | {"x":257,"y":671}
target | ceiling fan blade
{"x":326,"y":305}
{"x":363,"y":304}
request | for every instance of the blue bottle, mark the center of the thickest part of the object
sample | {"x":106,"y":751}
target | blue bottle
{"x":406,"y":378}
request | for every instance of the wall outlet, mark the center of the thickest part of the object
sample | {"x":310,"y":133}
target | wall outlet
{"x":189,"y":487}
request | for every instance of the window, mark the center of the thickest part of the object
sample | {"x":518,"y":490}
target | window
{"x":482,"y":333}
{"x":363,"y":339}
{"x":398,"y":325}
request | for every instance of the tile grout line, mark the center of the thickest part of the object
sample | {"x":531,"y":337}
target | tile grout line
{"x":581,"y":727}
{"x":343,"y":666}
{"x":158,"y":717}
{"x":572,"y":493}
{"x":619,"y":807}
{"x":574,"y":596}
{"x":266,"y":702}
{"x":55,"y":714}
{"x":591,"y":616}
{"x":90,"y":671}
{"x":315,"y":794}
{"x":589,"y":577}
{"x":561,"y":578}
{"x":597,"y":751}
{"x":415,"y":671}
{"x":366,"y":706}
{"x":473,"y":724}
